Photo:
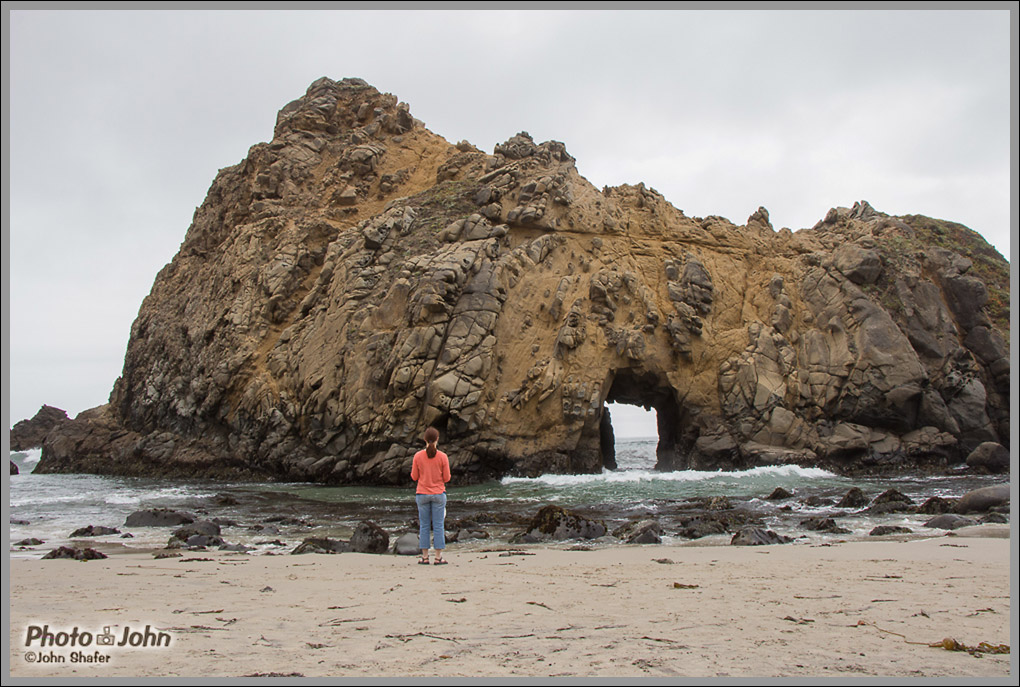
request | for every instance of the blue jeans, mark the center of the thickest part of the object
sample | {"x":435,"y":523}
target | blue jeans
{"x":431,"y":515}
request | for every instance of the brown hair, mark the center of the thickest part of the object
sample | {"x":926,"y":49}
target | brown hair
{"x":431,"y":437}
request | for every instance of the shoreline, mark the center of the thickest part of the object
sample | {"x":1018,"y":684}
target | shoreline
{"x":693,"y":509}
{"x":799,"y":609}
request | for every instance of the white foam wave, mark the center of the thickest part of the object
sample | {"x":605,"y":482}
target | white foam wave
{"x":37,"y":499}
{"x":31,"y":455}
{"x":173,"y":493}
{"x":635,"y":476}
{"x":786,"y":471}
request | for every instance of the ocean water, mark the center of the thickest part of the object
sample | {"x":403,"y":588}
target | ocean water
{"x":276,"y":517}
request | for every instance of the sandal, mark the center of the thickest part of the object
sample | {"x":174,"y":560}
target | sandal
{"x":439,"y":561}
{"x":423,"y":561}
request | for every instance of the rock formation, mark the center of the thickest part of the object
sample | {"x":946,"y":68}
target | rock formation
{"x":29,"y":434}
{"x":358,"y":279}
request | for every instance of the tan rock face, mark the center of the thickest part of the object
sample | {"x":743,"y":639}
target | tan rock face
{"x":358,"y":279}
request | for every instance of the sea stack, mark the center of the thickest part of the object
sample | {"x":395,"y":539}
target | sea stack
{"x":359,"y":278}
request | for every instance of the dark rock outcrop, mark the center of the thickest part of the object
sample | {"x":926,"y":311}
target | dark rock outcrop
{"x":158,"y":517}
{"x":368,"y":537}
{"x":823,"y":525}
{"x":206,"y":527}
{"x":406,"y":545}
{"x":936,"y":505}
{"x":990,"y":458}
{"x":14,"y":468}
{"x":892,"y":496}
{"x":464,"y":529}
{"x":321,"y":545}
{"x":891,"y":501}
{"x":556,"y":523}
{"x":854,"y":498}
{"x":359,"y":278}
{"x":197,"y":541}
{"x":698,"y":527}
{"x":949,"y":521}
{"x":31,"y":541}
{"x":640,"y":532}
{"x":29,"y":434}
{"x":756,"y":536}
{"x":76,"y":554}
{"x":93,"y":531}
{"x":198,"y":534}
{"x":883,"y":530}
{"x":983,"y":500}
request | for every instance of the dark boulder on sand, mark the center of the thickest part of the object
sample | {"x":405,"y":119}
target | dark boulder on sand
{"x":31,"y":541}
{"x":823,"y":525}
{"x":158,"y":517}
{"x":321,"y":545}
{"x":198,"y":534}
{"x":778,"y":494}
{"x":94,"y":531}
{"x":756,"y":536}
{"x":368,"y":537}
{"x":936,"y":505}
{"x":892,"y":496}
{"x":890,"y":501}
{"x":76,"y":554}
{"x":984,"y":499}
{"x":854,"y":498}
{"x":464,"y":529}
{"x":640,"y":532}
{"x":949,"y":521}
{"x":989,"y":457}
{"x":698,"y":527}
{"x":406,"y":545}
{"x":202,"y":541}
{"x":553,"y":522}
{"x":883,"y":530}
{"x":206,"y":527}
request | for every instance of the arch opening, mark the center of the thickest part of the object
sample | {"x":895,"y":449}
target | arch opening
{"x":649,"y":391}
{"x":634,"y":436}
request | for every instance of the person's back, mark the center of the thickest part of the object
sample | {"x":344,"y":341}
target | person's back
{"x":431,"y":474}
{"x":430,"y":468}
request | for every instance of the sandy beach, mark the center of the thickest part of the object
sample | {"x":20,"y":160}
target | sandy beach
{"x":849,"y":609}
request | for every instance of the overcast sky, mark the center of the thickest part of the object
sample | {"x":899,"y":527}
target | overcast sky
{"x":119,"y":121}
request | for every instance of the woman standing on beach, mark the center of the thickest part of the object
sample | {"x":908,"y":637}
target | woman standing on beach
{"x":431,"y":470}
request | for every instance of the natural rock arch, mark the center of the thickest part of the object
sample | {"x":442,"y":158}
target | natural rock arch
{"x":649,"y":390}
{"x":358,"y":278}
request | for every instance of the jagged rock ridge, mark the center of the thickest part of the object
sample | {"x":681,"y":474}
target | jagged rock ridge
{"x":29,"y":434}
{"x":358,"y":278}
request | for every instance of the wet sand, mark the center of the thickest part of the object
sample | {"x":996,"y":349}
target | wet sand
{"x":854,"y":609}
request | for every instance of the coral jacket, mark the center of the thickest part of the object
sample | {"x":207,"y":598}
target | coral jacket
{"x":431,"y":474}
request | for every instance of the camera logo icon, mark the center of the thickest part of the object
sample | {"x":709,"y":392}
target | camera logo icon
{"x":105,"y":639}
